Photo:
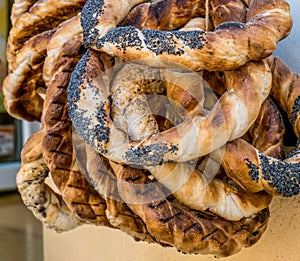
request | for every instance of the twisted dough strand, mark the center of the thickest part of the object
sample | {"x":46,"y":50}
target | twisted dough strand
{"x":188,"y":185}
{"x":23,"y":87}
{"x":39,"y":18}
{"x":44,"y":203}
{"x":257,"y":171}
{"x":189,"y":231}
{"x":230,"y":46}
{"x":235,"y":112}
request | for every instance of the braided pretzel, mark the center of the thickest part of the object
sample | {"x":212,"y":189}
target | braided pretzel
{"x":63,"y":52}
{"x":19,"y":7}
{"x":229,"y":46}
{"x":23,"y":87}
{"x":189,"y":231}
{"x":257,"y":171}
{"x":44,"y":203}
{"x":39,"y":18}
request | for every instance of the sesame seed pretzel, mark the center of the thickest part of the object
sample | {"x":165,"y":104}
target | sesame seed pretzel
{"x":229,"y":46}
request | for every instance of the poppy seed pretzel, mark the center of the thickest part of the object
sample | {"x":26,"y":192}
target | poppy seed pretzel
{"x":257,"y":171}
{"x":236,"y":111}
{"x":229,"y":46}
{"x":129,"y":113}
{"x":45,"y":204}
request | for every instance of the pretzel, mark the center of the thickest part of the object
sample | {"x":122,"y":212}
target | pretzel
{"x":42,"y":16}
{"x":248,"y":88}
{"x":257,"y":171}
{"x":100,"y":174}
{"x":19,"y":7}
{"x":23,"y":87}
{"x":44,"y":203}
{"x":187,"y":230}
{"x":63,"y":51}
{"x":229,"y":46}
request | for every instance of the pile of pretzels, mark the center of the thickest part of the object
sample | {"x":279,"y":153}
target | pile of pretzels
{"x":164,"y":119}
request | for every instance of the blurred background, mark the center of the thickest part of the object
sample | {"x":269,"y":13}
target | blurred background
{"x":21,"y":236}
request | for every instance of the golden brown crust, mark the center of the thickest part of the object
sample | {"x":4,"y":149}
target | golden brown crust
{"x":189,"y":231}
{"x":44,"y":203}
{"x":42,"y":16}
{"x":57,"y":141}
{"x":231,"y":45}
{"x":19,"y":7}
{"x":101,"y":175}
{"x":164,"y":14}
{"x":257,"y":171}
{"x":24,"y":87}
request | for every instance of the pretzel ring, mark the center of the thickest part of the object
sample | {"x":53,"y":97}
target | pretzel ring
{"x":229,"y":46}
{"x":96,"y":128}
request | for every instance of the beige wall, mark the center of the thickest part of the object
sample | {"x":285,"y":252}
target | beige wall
{"x":280,"y":242}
